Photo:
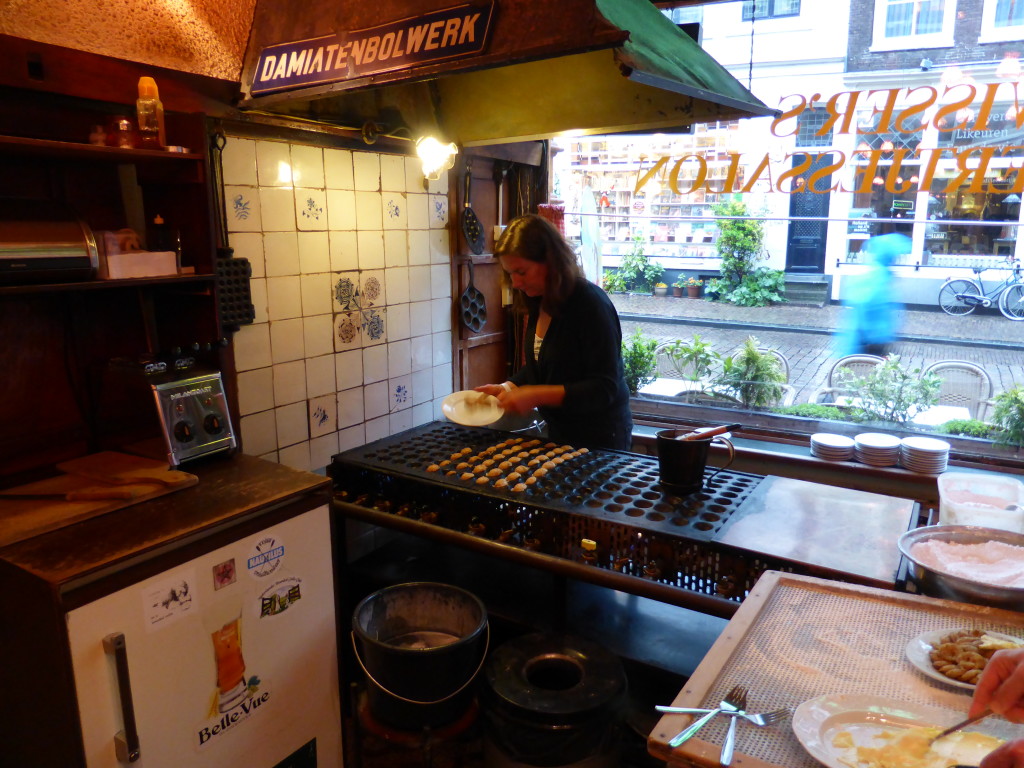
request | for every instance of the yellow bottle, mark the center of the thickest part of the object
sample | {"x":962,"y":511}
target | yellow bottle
{"x":150,"y":113}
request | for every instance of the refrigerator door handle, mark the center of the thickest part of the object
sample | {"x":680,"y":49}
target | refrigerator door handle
{"x":126,"y":742}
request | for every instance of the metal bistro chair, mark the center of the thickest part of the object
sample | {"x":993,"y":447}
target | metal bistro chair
{"x":963,"y":384}
{"x":858,"y":365}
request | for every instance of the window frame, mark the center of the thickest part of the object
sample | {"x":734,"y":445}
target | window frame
{"x":771,"y":11}
{"x":990,"y":33}
{"x":941,"y":39}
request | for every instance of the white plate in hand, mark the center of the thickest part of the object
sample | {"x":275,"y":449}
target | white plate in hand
{"x":471,"y":408}
{"x":919,"y":649}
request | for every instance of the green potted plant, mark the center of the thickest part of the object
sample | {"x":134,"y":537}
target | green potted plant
{"x":755,"y":377}
{"x":1009,"y":416}
{"x":693,"y":287}
{"x":740,"y":245}
{"x":612,"y":282}
{"x":891,"y":392}
{"x":653,"y":273}
{"x":639,"y":360}
{"x":678,"y":285}
{"x":693,"y":360}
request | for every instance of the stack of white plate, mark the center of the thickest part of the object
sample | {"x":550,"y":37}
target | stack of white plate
{"x":831,"y":447}
{"x":877,"y":449}
{"x":924,"y":454}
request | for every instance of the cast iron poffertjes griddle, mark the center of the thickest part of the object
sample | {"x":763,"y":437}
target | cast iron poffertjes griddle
{"x":617,"y":486}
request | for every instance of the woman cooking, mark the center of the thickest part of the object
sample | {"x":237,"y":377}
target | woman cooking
{"x":573,"y":373}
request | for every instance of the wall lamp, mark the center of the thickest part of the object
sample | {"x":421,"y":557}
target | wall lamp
{"x":435,"y":156}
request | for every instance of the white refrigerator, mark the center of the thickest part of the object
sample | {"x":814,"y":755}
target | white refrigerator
{"x":231,"y":659}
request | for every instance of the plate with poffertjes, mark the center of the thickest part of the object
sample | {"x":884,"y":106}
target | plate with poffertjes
{"x":957,"y":657}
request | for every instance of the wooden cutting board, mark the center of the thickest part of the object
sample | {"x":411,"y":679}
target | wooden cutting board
{"x":135,"y":477}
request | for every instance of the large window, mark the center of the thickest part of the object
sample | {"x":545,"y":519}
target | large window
{"x":901,"y":24}
{"x":1002,"y":20}
{"x":769,"y":9}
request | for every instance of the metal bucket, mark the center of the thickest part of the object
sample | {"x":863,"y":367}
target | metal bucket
{"x":421,"y":645}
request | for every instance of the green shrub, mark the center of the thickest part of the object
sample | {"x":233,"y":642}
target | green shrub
{"x":966,"y":427}
{"x":613,"y":283}
{"x":1009,"y":416}
{"x":891,"y":392}
{"x":759,"y":288}
{"x":638,"y":360}
{"x":638,"y":272}
{"x":692,"y":360}
{"x":755,"y":377}
{"x":812,"y":411}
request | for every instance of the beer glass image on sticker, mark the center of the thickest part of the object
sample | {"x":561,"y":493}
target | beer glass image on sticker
{"x":224,"y":623}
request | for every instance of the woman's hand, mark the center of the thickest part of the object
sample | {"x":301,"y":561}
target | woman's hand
{"x":1009,"y":755}
{"x":492,"y":389}
{"x":1001,"y":687}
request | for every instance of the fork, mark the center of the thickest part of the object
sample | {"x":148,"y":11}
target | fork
{"x":691,"y":729}
{"x":761,"y":720}
{"x":767,"y":718}
{"x":739,"y":703}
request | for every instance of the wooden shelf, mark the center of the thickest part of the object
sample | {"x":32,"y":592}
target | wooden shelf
{"x":100,"y":285}
{"x":69,"y":149}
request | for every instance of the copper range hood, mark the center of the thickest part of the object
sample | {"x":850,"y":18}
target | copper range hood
{"x":515,"y":70}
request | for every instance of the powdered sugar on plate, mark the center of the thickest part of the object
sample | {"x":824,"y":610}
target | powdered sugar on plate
{"x":993,"y":562}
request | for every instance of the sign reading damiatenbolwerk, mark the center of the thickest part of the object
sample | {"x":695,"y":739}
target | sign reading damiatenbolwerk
{"x":449,"y":33}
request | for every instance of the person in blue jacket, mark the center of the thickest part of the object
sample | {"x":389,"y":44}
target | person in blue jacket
{"x":573,"y":373}
{"x":874,"y":311}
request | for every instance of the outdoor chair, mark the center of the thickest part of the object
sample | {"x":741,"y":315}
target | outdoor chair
{"x":788,"y":391}
{"x":963,"y":384}
{"x":858,"y":365}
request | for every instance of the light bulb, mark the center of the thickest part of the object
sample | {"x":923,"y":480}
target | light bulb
{"x":435,"y":157}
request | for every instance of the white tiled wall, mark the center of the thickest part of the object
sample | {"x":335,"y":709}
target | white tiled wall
{"x":352,"y":338}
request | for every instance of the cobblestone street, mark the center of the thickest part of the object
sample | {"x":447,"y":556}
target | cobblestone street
{"x":806,"y":335}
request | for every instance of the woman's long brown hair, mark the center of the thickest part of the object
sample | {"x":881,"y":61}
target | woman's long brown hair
{"x":536,"y":239}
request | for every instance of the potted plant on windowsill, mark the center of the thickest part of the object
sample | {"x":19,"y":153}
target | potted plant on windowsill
{"x":693,"y":286}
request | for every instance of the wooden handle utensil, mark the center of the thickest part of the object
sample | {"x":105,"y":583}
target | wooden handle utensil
{"x":708,"y":433}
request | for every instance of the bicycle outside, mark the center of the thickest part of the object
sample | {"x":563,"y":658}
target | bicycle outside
{"x":961,"y":296}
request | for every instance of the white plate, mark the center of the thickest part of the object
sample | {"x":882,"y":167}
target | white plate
{"x":471,"y":409}
{"x":917,"y":651}
{"x":829,"y":440}
{"x":877,"y":440}
{"x":817,"y":721}
{"x":925,"y":445}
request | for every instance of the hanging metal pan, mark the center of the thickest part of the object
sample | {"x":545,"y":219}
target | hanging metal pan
{"x":472,"y":305}
{"x":471,"y":227}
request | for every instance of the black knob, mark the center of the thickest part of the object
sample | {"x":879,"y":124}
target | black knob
{"x":183,"y":432}
{"x":212,"y":424}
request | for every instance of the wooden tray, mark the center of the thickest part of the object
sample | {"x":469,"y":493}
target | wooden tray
{"x":797,"y":637}
{"x":138,"y":478}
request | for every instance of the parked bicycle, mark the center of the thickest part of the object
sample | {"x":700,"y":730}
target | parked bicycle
{"x":961,"y":296}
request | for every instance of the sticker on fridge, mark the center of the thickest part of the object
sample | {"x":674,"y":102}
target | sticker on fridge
{"x":280,"y":596}
{"x":237,"y":691}
{"x":266,"y":557}
{"x":166,"y":601}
